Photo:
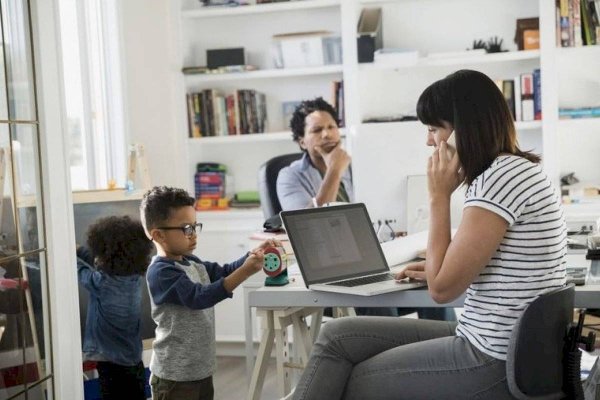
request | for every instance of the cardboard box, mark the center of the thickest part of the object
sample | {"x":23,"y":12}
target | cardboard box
{"x":369,"y":36}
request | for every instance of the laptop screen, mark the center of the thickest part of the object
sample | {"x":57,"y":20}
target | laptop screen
{"x":333,"y":243}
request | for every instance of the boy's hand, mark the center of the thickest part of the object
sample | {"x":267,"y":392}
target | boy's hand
{"x":254,"y":262}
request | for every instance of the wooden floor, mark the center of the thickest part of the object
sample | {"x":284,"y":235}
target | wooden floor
{"x":231,"y":382}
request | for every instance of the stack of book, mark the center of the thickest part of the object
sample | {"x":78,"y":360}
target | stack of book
{"x":523,"y":95}
{"x":209,"y":184}
{"x":577,"y":22}
{"x":211,"y":113}
{"x":581,"y":112}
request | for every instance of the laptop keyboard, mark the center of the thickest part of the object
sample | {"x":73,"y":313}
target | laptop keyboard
{"x":364,"y":280}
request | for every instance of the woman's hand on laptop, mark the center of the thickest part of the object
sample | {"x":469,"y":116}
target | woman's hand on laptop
{"x":414,"y":271}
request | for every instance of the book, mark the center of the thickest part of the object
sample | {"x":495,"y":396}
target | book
{"x":508,"y":90}
{"x":527,"y":109}
{"x":517,"y":92}
{"x":537,"y":94}
{"x":585,"y":112}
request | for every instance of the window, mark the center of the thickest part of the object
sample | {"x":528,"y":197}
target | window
{"x":93,"y":92}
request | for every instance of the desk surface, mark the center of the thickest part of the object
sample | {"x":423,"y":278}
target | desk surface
{"x":295,"y":294}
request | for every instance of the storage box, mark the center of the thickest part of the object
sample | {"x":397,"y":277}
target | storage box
{"x":216,"y":58}
{"x":300,"y":49}
{"x":369,"y":36}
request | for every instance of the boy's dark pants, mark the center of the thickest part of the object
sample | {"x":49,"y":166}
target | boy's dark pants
{"x":165,"y":389}
{"x":121,"y":382}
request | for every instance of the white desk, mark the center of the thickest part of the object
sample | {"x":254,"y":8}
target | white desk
{"x":294,"y":301}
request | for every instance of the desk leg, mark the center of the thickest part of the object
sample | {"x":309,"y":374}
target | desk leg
{"x":282,"y":351}
{"x":262,"y":358}
{"x":249,"y":335}
{"x":302,"y":338}
{"x":315,"y":325}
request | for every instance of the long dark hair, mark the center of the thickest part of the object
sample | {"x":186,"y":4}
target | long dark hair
{"x":472,"y":103}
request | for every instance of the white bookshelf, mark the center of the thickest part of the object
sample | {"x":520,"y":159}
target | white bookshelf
{"x":263,"y":74}
{"x":229,"y":11}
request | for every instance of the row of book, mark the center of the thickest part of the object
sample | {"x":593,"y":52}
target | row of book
{"x":523,"y":95}
{"x":577,"y":22}
{"x":579,"y":112}
{"x":211,"y":113}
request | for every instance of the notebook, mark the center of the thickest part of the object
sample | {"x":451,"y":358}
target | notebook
{"x":337,"y":251}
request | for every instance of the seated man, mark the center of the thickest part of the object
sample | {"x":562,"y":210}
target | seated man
{"x":323,"y":175}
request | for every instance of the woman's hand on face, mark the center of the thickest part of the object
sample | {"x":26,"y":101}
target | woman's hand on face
{"x":414,"y":271}
{"x":444,"y":174}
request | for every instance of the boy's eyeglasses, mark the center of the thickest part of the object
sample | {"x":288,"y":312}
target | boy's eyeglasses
{"x":187,"y":229}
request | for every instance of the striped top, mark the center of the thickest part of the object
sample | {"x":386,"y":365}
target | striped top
{"x":530,"y":259}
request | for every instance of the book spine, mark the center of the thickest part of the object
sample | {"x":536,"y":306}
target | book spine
{"x":537,"y":94}
{"x":564,"y":23}
{"x":577,"y":22}
{"x":517,"y":90}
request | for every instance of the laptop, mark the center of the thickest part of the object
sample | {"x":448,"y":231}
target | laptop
{"x":337,"y":251}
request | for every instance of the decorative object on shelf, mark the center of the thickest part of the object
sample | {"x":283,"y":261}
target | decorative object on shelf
{"x":209,"y":185}
{"x":370,"y":35}
{"x":216,"y":58}
{"x":494,"y":45}
{"x":287,"y":110}
{"x":527,"y":33}
{"x":275,"y":266}
{"x":479,"y":44}
{"x":245,"y":199}
{"x":137,"y":162}
{"x":306,"y":49}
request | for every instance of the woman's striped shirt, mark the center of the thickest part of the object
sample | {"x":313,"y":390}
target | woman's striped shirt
{"x":530,"y":259}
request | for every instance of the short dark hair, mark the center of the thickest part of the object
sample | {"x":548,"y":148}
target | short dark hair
{"x":483,"y":124}
{"x":159,"y":202}
{"x":119,"y":245}
{"x":306,"y":107}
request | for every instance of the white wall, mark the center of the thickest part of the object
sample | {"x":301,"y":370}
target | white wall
{"x":150,"y":68}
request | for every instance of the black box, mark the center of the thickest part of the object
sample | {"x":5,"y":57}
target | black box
{"x":369,"y":36}
{"x":224,"y":57}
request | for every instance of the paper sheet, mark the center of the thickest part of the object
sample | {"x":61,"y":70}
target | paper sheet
{"x":405,"y":248}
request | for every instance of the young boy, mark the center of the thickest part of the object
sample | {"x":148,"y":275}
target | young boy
{"x":119,"y":250}
{"x":183,"y":291}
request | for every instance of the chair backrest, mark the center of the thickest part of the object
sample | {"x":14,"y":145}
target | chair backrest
{"x":534,"y":366}
{"x":267,"y":182}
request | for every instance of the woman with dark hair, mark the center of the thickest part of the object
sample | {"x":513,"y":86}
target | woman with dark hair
{"x":509,"y":249}
{"x":112,"y":271}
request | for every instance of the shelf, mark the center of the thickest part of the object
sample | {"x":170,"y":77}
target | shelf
{"x":251,"y":137}
{"x":209,"y":12}
{"x":91,"y":196}
{"x":578,"y":121}
{"x":528,"y":125}
{"x":425,"y":62}
{"x":573,"y":51}
{"x":232,"y":213}
{"x":520,"y":125}
{"x":264,"y":74}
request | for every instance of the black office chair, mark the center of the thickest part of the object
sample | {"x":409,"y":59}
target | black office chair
{"x":267,"y":182}
{"x":535,"y":367}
